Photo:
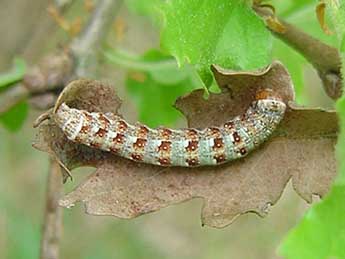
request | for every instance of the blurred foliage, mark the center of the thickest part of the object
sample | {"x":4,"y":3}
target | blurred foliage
{"x":292,"y":7}
{"x":295,"y":64}
{"x":148,"y":8}
{"x":26,"y":244}
{"x":16,"y":74}
{"x":153,"y":101}
{"x":321,"y":233}
{"x":15,"y":117}
{"x":155,"y":82}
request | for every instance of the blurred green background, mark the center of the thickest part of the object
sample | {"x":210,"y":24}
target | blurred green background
{"x":175,"y":232}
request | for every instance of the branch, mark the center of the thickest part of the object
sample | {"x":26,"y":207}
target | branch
{"x":48,"y":76}
{"x":85,"y":48}
{"x":53,"y":214}
{"x":324,"y":58}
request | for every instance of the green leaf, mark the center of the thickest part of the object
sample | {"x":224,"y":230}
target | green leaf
{"x":15,"y":74}
{"x":337,"y":14}
{"x":321,"y":233}
{"x":289,"y":8}
{"x":15,"y":117}
{"x":205,"y":32}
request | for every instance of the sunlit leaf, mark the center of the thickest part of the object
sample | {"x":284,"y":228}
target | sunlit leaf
{"x":206,"y":32}
{"x":321,"y":233}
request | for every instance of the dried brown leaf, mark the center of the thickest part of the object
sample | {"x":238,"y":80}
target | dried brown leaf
{"x":302,"y":150}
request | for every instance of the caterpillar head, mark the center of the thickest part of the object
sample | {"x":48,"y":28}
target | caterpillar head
{"x":270,"y":100}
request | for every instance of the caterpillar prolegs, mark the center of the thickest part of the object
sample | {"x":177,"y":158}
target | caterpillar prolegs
{"x":168,"y":147}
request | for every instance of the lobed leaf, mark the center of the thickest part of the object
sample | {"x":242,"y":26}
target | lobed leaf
{"x":227,"y":33}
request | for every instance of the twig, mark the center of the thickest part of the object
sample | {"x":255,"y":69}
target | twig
{"x":324,"y":58}
{"x":86,"y":47}
{"x":53,"y":214}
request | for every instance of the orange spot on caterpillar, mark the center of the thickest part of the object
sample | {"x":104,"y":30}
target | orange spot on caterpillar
{"x":140,"y":143}
{"x":218,"y":143}
{"x":164,"y":161}
{"x":165,"y":146}
{"x":101,"y":132}
{"x":192,"y":161}
{"x":192,"y":146}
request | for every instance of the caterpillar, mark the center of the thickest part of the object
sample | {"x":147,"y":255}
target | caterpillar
{"x":187,"y":147}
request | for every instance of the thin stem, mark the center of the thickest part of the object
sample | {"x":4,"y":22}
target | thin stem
{"x":324,"y":58}
{"x":128,"y":60}
{"x":85,"y":48}
{"x":52,"y":227}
